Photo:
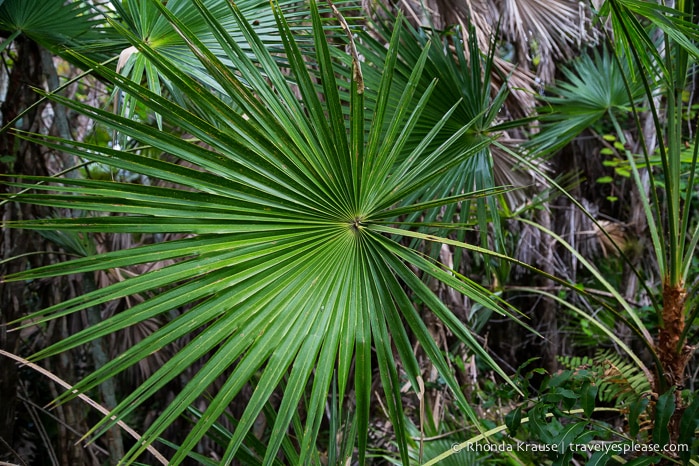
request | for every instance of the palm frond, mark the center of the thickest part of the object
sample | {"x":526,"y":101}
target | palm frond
{"x":144,"y":20}
{"x":465,"y":88}
{"x":594,"y":88}
{"x":51,"y":22}
{"x":285,"y":275}
{"x":545,"y":31}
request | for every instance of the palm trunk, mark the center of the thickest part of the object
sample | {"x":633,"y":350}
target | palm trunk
{"x":26,"y":72}
{"x":673,"y":354}
{"x":674,"y":359}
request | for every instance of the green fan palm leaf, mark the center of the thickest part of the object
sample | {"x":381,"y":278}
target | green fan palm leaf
{"x":594,"y":88}
{"x":286,"y":275}
{"x":462,"y":101}
{"x":151,"y":23}
{"x":51,"y":23}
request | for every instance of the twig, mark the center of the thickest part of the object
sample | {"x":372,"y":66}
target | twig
{"x":357,"y":75}
{"x":86,"y":399}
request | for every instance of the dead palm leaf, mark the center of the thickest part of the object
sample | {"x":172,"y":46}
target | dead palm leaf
{"x":545,"y":30}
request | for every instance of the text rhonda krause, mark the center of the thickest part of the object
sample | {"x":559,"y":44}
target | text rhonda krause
{"x":607,"y":447}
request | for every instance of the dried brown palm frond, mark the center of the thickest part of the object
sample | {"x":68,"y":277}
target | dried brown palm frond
{"x":130,"y":337}
{"x":594,"y":238}
{"x":522,"y":84}
{"x":540,"y":31}
{"x":484,"y":17}
{"x":125,"y":339}
{"x":579,"y":230}
{"x":520,"y":80}
{"x":528,"y":248}
{"x":545,"y":30}
{"x":615,"y":240}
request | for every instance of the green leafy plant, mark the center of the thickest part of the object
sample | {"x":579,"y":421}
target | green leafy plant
{"x":597,"y":411}
{"x":290,"y":269}
{"x":304,"y":180}
{"x":594,"y":96}
{"x":592,"y":89}
{"x":146,"y":21}
{"x":673,"y":242}
{"x":52,"y":23}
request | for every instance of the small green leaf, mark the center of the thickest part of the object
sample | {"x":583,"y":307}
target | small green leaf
{"x":588,"y":397}
{"x":605,"y":179}
{"x":612,"y":198}
{"x":689,"y":423}
{"x":607,"y":151}
{"x":588,"y":436}
{"x":538,"y":425}
{"x":599,"y":458}
{"x":609,"y":137}
{"x":635,"y":411}
{"x":622,"y":172}
{"x":568,"y":435}
{"x":644,"y":461}
{"x":564,"y":459}
{"x":513,"y":419}
{"x":663,"y":411}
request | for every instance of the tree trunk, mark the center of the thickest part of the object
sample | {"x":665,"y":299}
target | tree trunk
{"x":672,"y":354}
{"x":20,"y":158}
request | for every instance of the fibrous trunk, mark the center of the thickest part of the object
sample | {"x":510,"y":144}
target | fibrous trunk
{"x":672,"y":352}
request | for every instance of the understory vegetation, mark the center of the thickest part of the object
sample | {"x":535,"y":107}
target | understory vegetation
{"x":316,"y":232}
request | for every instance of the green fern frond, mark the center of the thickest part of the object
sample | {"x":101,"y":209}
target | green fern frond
{"x":620,"y":381}
{"x":576,"y":362}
